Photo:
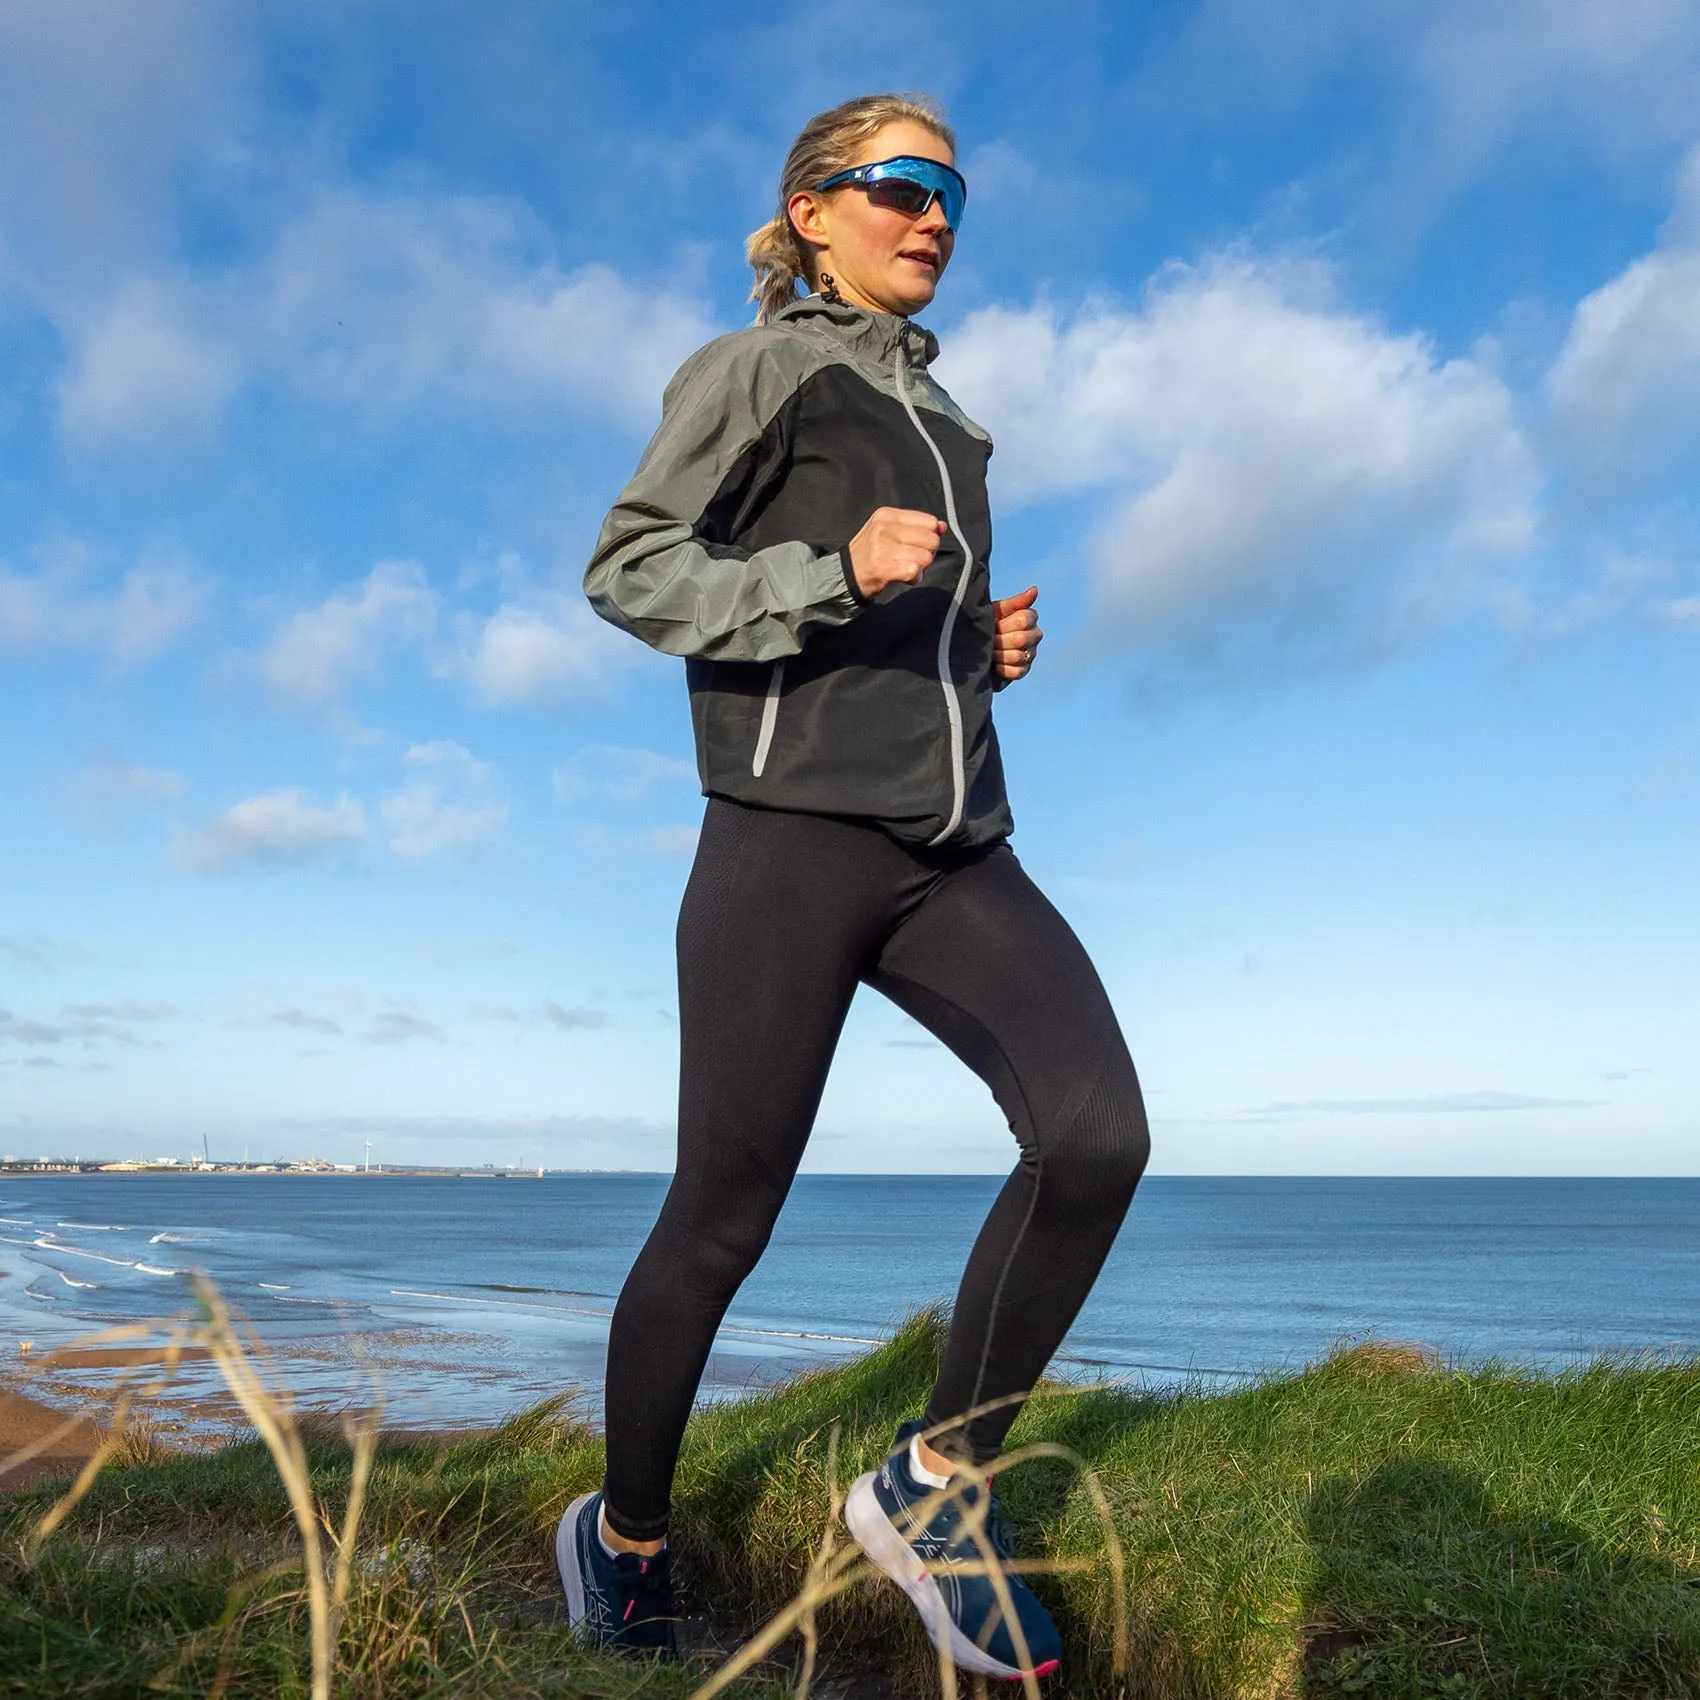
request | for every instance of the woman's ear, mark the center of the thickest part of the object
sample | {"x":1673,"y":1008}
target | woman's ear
{"x":807,"y":215}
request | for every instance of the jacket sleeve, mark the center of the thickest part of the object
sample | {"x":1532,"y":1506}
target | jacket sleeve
{"x":662,"y":571}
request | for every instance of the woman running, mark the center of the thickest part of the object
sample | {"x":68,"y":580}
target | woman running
{"x":809,"y":530}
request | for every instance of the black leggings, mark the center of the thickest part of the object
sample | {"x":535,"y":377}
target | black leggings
{"x":783,"y":916}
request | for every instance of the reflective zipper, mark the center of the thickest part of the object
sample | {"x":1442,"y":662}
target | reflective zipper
{"x":769,"y":717}
{"x":952,"y":706}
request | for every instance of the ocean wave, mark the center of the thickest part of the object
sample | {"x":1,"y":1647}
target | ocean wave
{"x":95,"y":1227}
{"x":276,"y":1287}
{"x":90,"y":1285}
{"x":154,"y":1269}
{"x":500,"y":1304}
{"x":563,"y":1292}
{"x":584,"y":1310}
{"x":50,"y":1243}
{"x":18,"y":1221}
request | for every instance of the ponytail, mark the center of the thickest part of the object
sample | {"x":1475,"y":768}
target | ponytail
{"x":780,"y":258}
{"x":775,"y":254}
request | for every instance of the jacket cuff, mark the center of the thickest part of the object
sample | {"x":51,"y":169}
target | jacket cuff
{"x":849,"y":572}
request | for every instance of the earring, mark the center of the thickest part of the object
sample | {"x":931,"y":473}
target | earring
{"x":829,"y":290}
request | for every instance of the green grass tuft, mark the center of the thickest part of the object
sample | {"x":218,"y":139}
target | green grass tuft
{"x":1381,"y":1524}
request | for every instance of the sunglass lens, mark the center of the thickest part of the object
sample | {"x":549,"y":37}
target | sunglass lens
{"x":900,"y":195}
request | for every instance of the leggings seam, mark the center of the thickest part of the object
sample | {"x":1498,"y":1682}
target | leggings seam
{"x":1003,"y":1276}
{"x":1038,"y":1150}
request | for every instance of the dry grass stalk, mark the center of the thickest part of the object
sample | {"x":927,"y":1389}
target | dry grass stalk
{"x":273,"y":1418}
{"x":117,"y":1441}
{"x":835,"y":1569}
{"x":272,"y":1414}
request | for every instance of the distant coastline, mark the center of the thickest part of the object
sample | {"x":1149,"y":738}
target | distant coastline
{"x":59,"y":1166}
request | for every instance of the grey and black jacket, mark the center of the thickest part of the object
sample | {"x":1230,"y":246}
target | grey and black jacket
{"x":730,"y":547}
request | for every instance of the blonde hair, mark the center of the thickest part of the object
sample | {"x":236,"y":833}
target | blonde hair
{"x":829,"y":142}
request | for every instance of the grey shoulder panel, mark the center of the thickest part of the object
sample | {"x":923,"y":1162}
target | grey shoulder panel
{"x":739,"y":381}
{"x":930,"y":393}
{"x":652,"y":573}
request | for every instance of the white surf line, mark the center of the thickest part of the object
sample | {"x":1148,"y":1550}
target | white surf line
{"x":90,"y":1285}
{"x":18,"y":1221}
{"x":95,"y":1227}
{"x":97,"y":1256}
{"x":580,"y":1310}
{"x":275,"y":1287}
{"x":500,"y":1304}
{"x":77,"y":1251}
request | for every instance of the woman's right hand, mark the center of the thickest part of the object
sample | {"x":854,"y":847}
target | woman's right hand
{"x":896,"y":546}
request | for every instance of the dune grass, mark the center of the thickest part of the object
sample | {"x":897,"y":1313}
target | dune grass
{"x":1380,"y":1524}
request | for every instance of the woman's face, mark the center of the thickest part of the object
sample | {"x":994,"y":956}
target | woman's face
{"x":878,"y":257}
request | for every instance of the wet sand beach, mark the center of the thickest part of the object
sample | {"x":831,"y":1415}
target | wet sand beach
{"x":25,"y":1421}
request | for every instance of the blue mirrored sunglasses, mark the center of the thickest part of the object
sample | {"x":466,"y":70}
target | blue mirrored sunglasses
{"x":907,"y":185}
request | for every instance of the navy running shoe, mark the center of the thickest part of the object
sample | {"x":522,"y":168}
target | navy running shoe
{"x":932,"y":1554}
{"x":623,"y":1603}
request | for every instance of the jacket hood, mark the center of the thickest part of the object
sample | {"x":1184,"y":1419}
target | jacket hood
{"x":873,"y":336}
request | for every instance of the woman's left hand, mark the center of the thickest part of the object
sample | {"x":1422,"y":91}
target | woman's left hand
{"x":1018,"y":634}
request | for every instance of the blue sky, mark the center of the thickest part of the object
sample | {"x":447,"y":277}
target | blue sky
{"x":1343,"y":361}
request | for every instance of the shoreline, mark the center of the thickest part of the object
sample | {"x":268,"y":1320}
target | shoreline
{"x":171,"y":1425}
{"x":25,"y":1420}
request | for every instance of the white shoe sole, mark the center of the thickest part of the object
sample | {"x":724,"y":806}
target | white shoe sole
{"x":566,"y":1560}
{"x":880,"y":1539}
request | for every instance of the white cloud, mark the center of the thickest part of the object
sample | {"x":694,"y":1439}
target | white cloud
{"x":657,"y":841}
{"x":35,"y":950}
{"x":396,"y":1026}
{"x":144,"y":372}
{"x":1430,"y":1104}
{"x":1625,"y":390}
{"x":280,"y":826}
{"x":445,"y":755}
{"x":1280,"y":476}
{"x":671,"y":840}
{"x":69,"y":602}
{"x":317,"y":652}
{"x":300,"y":1020}
{"x":111,"y":112}
{"x":88,"y":1024}
{"x":579,"y":1018}
{"x":618,"y":771}
{"x":1613,"y":72}
{"x":422,"y":822}
{"x":448,"y":808}
{"x":122,"y":782}
{"x":126,"y":1009}
{"x":377,"y":308}
{"x":1461,"y":80}
{"x":538,"y":651}
{"x":106,"y":790}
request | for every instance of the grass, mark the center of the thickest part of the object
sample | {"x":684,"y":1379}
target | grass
{"x":1380,"y":1524}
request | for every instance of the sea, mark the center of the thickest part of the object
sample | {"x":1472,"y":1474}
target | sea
{"x":457,"y":1301}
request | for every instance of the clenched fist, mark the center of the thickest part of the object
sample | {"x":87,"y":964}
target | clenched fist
{"x":1018,"y":634}
{"x":896,"y":546}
